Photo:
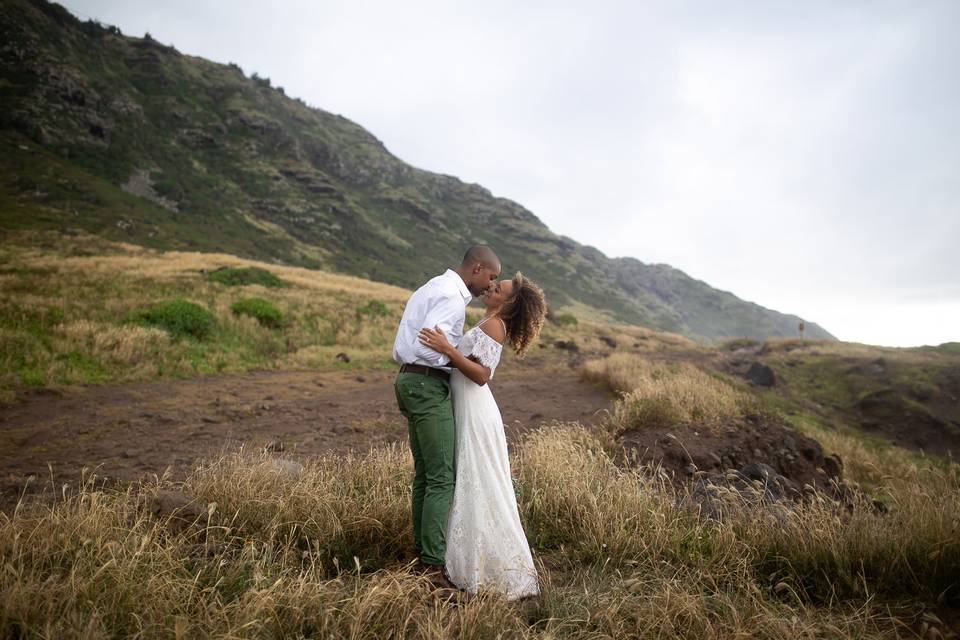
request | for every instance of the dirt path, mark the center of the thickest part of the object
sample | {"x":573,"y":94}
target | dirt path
{"x":130,"y":430}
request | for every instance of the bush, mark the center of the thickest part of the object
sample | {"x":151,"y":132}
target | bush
{"x":262,"y":310}
{"x":565,"y":320}
{"x":238,"y":276}
{"x":179,"y":317}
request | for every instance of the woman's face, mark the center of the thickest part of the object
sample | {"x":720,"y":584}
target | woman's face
{"x":497,"y":294}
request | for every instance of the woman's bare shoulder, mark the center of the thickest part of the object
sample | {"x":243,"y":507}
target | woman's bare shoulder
{"x":495,"y":329}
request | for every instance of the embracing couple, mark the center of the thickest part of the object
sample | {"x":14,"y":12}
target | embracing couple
{"x":466,"y":525}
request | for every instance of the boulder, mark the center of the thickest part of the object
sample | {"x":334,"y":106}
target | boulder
{"x":761,"y":375}
{"x":720,"y":495}
{"x":566,"y":345}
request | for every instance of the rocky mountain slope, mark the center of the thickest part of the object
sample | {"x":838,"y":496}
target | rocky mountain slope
{"x":131,"y":139}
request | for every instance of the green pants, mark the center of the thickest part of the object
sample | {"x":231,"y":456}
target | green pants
{"x":425,"y":402}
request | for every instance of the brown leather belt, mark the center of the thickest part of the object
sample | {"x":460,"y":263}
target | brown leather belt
{"x":425,"y":370}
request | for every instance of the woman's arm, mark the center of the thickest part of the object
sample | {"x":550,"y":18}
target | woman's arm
{"x":437,"y":340}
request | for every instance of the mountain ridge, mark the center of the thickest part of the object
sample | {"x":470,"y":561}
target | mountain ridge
{"x":131,"y":139}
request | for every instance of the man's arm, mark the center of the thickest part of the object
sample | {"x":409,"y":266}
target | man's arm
{"x":448,"y":314}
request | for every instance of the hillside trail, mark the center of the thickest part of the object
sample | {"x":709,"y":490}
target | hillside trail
{"x":128,"y":431}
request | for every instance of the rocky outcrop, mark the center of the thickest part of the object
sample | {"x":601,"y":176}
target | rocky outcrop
{"x":140,"y":184}
{"x":760,"y":438}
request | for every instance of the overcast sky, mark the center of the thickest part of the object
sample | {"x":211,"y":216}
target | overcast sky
{"x":802,"y":155}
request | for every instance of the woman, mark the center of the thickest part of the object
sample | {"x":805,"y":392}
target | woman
{"x":486,"y":545}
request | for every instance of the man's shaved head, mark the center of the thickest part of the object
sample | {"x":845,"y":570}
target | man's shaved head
{"x":480,"y":267}
{"x":482,"y":254}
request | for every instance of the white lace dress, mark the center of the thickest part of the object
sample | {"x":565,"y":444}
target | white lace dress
{"x":486,"y":545}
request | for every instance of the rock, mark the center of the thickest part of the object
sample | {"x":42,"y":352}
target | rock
{"x":360,"y":379}
{"x":761,"y":374}
{"x":140,"y":184}
{"x":610,"y":342}
{"x":342,"y":357}
{"x":833,"y":465}
{"x":210,"y":419}
{"x":757,"y":485}
{"x":180,"y":510}
{"x":566,"y":345}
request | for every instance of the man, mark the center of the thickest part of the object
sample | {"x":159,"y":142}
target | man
{"x":423,"y":395}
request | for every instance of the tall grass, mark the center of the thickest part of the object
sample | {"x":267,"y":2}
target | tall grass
{"x":324,"y":552}
{"x":659,"y":394}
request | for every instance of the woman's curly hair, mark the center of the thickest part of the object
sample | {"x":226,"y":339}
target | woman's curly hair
{"x":523,"y":313}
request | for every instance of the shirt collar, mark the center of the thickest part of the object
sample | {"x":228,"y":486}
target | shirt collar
{"x":461,"y":285}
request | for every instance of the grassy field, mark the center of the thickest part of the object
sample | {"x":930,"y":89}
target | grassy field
{"x":78,"y":310}
{"x":325,"y":553}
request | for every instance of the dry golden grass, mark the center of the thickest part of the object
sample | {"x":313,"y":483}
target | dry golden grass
{"x":589,"y":336}
{"x":66,"y":304}
{"x":662,"y":394}
{"x":325,"y":553}
{"x":65,"y":319}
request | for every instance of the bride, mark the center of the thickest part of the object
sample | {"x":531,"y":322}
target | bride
{"x":486,"y":545}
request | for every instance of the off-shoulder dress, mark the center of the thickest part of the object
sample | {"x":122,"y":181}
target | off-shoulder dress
{"x":486,"y":545}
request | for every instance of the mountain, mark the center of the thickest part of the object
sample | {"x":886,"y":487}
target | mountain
{"x":130,"y":139}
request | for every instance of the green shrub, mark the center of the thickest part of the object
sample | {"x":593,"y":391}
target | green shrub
{"x":565,"y":320}
{"x":262,"y":310}
{"x":236,"y":276}
{"x":179,"y":317}
{"x":374,"y":309}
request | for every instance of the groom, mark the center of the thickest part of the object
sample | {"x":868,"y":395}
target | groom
{"x":423,"y":395}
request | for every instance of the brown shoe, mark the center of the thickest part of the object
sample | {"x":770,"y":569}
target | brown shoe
{"x":437,"y":574}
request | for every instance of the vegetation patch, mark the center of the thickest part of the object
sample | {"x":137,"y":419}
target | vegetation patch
{"x":239,"y":276}
{"x":261,"y":310}
{"x":179,"y":317}
{"x":274,"y":549}
{"x":739,"y":343}
{"x":664,"y":394}
{"x":374,"y":309}
{"x":565,"y":320}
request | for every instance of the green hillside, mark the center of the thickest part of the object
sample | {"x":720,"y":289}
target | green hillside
{"x":132,"y":140}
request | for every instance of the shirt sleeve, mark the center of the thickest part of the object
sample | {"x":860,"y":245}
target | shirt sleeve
{"x":448,"y":314}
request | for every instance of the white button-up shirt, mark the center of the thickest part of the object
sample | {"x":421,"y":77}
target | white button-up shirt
{"x":441,"y":302}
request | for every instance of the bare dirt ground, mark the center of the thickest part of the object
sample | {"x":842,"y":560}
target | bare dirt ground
{"x":128,"y":431}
